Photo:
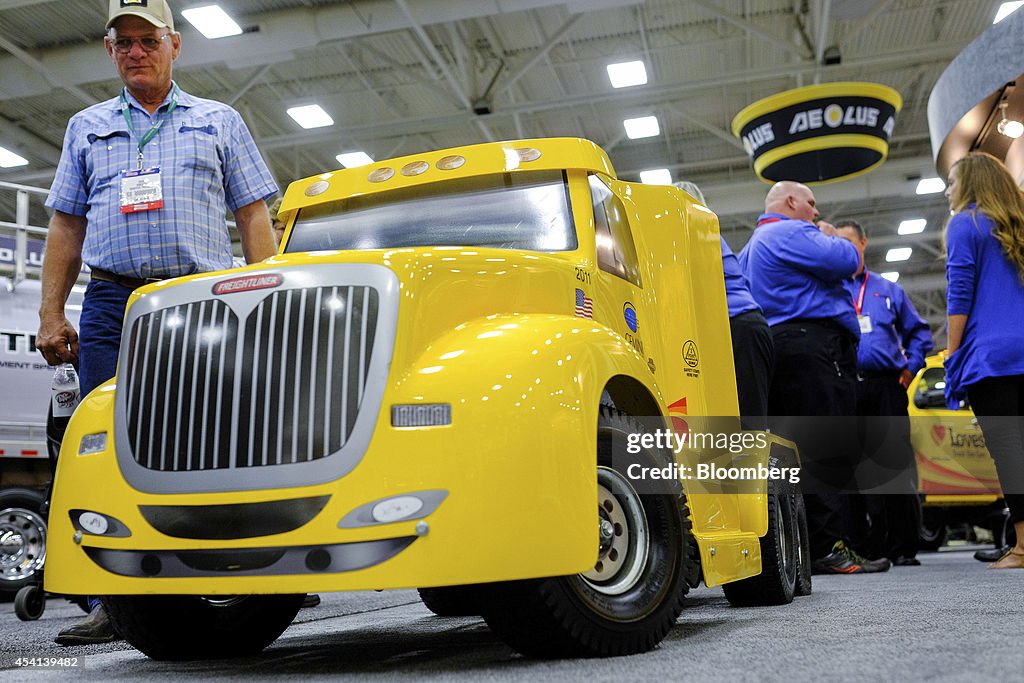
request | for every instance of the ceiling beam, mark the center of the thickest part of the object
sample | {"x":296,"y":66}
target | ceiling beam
{"x":541,"y":52}
{"x":49,"y":74}
{"x":704,"y":125}
{"x":652,"y":94}
{"x":751,"y":28}
{"x":281,"y":34}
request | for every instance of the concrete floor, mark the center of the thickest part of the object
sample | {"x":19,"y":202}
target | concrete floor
{"x":948,"y":620}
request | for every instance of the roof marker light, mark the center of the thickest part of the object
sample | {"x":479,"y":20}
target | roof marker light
{"x":450,"y":163}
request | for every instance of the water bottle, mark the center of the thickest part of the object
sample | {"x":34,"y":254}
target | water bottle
{"x":65,"y":394}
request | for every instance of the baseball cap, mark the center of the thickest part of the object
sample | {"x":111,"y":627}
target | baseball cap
{"x":156,"y":12}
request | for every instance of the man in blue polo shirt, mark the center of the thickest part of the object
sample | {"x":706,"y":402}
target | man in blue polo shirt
{"x":796,"y":274}
{"x":141,"y":193}
{"x":894,"y":341}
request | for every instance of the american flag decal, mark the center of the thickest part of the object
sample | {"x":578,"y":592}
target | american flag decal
{"x":584,"y":305}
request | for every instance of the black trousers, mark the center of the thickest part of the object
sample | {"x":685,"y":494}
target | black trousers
{"x":886,"y":519}
{"x":816,"y":376}
{"x":998,"y":403}
{"x":753,"y":355}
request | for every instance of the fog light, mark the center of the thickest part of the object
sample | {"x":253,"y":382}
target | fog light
{"x":98,"y":524}
{"x":93,"y":443}
{"x":394,"y":509}
{"x":421,"y":415}
{"x":93,"y":523}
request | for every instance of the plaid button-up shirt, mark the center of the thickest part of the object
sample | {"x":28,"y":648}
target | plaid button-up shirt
{"x":208,"y":162}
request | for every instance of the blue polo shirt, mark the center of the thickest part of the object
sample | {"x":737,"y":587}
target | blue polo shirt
{"x":986,"y":287}
{"x":899,"y":338}
{"x":737,"y":293}
{"x":796,"y":271}
{"x":209,"y":164}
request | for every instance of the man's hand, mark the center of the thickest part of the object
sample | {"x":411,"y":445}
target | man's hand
{"x":906,"y":377}
{"x":57,"y":340}
{"x":826,"y":227}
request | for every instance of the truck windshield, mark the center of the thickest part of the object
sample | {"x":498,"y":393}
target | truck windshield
{"x":526,"y":210}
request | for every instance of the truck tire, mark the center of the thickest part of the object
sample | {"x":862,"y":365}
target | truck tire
{"x":184,"y":627}
{"x":780,"y":556}
{"x":22,"y":539}
{"x":632,"y":597}
{"x":803,"y":577}
{"x":933,"y":528}
{"x":451,"y":601}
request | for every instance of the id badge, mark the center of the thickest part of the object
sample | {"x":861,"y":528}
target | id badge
{"x":865,"y":323}
{"x":141,"y":190}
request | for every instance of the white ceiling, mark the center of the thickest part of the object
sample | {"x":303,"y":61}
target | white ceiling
{"x":401,"y":76}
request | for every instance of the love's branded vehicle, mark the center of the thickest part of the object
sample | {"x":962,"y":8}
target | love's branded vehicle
{"x":424,"y":390}
{"x":956,"y":475}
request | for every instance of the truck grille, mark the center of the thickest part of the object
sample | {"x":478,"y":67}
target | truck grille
{"x":283,"y":386}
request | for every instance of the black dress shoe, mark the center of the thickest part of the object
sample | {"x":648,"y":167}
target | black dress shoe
{"x":312,"y":600}
{"x":95,"y":628}
{"x":992,"y":554}
{"x":903,"y":561}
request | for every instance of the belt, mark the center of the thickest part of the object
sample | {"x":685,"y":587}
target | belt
{"x":828,"y":323}
{"x":123,"y":280}
{"x":880,"y":374}
{"x":822,"y":322}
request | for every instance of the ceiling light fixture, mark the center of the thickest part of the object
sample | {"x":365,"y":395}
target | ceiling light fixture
{"x":656,"y":176}
{"x":353,"y":159}
{"x":891,"y":275}
{"x":912,"y":226}
{"x":1006,"y":9}
{"x":626,"y":74}
{"x":898,"y":254}
{"x":643,"y":127}
{"x":212,"y":21}
{"x":311,"y":116}
{"x":9,"y":159}
{"x":930,"y":186}
{"x":1009,"y":127}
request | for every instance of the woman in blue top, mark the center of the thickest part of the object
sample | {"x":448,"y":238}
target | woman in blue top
{"x":985,"y":309}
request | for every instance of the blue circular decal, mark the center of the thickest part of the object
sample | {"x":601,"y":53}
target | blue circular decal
{"x":629,"y":313}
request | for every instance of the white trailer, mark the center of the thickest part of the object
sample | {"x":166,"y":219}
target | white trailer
{"x":24,"y":461}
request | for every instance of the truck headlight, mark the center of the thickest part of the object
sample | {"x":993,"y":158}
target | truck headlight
{"x":93,"y":443}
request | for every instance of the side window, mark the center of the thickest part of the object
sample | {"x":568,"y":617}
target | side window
{"x":616,"y":253}
{"x":931,"y":389}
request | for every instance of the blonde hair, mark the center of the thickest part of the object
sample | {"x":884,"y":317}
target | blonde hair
{"x":985,"y":181}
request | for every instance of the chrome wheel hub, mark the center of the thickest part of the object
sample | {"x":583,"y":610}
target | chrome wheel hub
{"x":22,"y":544}
{"x":624,"y":538}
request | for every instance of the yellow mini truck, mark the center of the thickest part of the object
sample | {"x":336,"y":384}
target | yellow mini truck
{"x":957,"y":477}
{"x":425,"y":389}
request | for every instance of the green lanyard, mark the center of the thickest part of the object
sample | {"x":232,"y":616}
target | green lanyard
{"x":155,"y":128}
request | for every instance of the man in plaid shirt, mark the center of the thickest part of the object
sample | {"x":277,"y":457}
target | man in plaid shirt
{"x":141,"y":194}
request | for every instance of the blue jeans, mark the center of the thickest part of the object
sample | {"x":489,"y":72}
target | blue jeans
{"x":99,"y":334}
{"x":99,"y":339}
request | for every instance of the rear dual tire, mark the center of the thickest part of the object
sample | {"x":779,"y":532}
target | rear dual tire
{"x":781,"y":555}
